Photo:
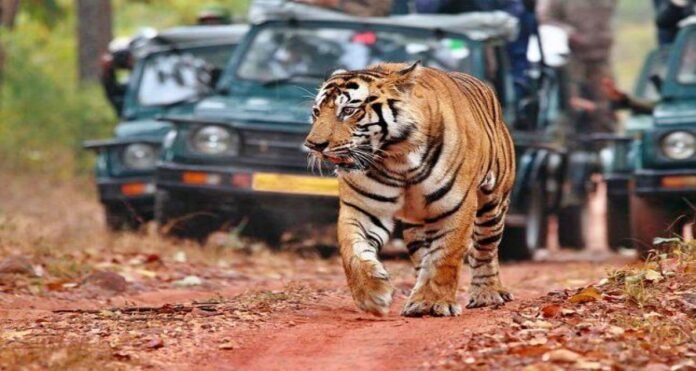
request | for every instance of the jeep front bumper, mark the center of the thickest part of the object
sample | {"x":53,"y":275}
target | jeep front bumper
{"x":681,"y":182}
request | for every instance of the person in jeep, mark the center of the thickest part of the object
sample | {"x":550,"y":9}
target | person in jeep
{"x":686,"y":74}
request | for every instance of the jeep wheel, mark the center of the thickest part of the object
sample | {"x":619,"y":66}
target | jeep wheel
{"x":122,"y":218}
{"x":650,"y":218}
{"x":179,"y":215}
{"x":266,"y":226}
{"x":519,"y":243}
{"x":572,"y":226}
{"x":618,"y":222}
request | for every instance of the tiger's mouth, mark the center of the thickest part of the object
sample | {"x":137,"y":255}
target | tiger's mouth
{"x":340,"y":160}
{"x":344,"y":162}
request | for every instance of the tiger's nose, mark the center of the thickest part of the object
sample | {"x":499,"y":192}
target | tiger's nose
{"x":319,"y":147}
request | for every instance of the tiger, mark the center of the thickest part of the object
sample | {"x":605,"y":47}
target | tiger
{"x":428,"y":149}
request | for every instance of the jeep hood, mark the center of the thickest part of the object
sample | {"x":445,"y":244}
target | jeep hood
{"x":146,"y":128}
{"x":256,"y":109}
{"x":679,"y":112}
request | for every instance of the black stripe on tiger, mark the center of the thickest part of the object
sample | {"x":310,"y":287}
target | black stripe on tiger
{"x":375,"y":220}
{"x":375,"y":240}
{"x":428,"y":166}
{"x":416,"y":245}
{"x":371,"y":195}
{"x":447,"y":213}
{"x":424,"y":158}
{"x":432,"y":251}
{"x":491,"y":222}
{"x":442,"y":191}
{"x":490,"y":206}
{"x":496,"y":229}
{"x":383,"y":179}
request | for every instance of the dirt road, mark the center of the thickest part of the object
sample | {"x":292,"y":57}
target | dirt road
{"x":222,"y":306}
{"x":304,"y":322}
{"x":331,"y":334}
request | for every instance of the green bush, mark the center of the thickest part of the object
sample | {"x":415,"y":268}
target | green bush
{"x":44,"y":113}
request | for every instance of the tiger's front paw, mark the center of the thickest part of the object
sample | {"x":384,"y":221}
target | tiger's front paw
{"x":442,"y":308}
{"x":487,"y":296}
{"x":370,"y":286}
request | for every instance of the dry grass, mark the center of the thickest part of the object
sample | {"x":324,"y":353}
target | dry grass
{"x":673,"y":257}
{"x":57,"y":356}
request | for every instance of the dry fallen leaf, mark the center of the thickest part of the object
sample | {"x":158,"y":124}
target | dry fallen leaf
{"x":560,"y":355}
{"x":587,"y":365}
{"x":616,"y":330}
{"x":542,"y":367}
{"x":529,"y":351}
{"x":538,"y":340}
{"x":189,"y":281}
{"x":587,"y":295}
{"x":229,"y":345}
{"x":550,"y":311}
{"x":652,"y":276}
{"x":155,"y":343}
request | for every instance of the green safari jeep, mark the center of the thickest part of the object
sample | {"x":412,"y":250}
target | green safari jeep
{"x":620,"y":155}
{"x":240,"y":155}
{"x":172,"y":70}
{"x":655,"y":168}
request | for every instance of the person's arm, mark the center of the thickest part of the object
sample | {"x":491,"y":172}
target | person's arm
{"x":553,"y":12}
{"x":621,"y":100}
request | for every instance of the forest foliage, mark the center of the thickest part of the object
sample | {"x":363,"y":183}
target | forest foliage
{"x":45,"y":114}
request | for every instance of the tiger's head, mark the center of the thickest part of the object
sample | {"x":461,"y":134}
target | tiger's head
{"x":359,"y":118}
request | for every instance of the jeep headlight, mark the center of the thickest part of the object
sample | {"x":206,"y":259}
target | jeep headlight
{"x":679,"y":145}
{"x":140,"y":156}
{"x":215,"y":140}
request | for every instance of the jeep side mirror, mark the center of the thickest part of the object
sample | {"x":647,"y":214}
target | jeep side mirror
{"x":115,"y":90}
{"x":215,"y":74}
{"x":656,"y":80}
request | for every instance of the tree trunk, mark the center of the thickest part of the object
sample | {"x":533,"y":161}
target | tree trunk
{"x":8,"y":13}
{"x":93,"y":36}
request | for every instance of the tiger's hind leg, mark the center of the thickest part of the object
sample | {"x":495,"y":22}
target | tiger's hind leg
{"x":486,"y":288}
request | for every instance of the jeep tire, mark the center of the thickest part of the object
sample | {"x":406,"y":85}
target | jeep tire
{"x":572,"y":226}
{"x":618,"y":222}
{"x":122,"y":217}
{"x":182,"y":216}
{"x":652,"y":217}
{"x":520,"y":242}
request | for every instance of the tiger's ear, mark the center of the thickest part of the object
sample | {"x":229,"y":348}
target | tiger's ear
{"x":404,"y":78}
{"x":406,"y":72}
{"x":340,"y":70}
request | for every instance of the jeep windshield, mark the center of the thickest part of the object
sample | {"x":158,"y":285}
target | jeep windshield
{"x":178,"y":75}
{"x":285,"y":54}
{"x":686,"y":74}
